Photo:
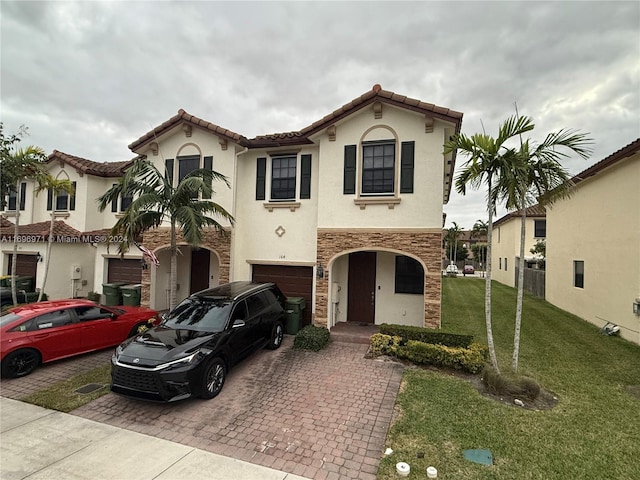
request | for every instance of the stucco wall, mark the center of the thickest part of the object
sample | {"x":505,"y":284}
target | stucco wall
{"x":600,"y":225}
{"x":506,"y":244}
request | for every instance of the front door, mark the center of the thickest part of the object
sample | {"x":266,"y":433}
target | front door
{"x":199,"y":270}
{"x":362,"y":287}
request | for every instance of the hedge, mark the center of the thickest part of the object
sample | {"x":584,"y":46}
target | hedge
{"x":471,"y":359}
{"x":426,"y":335}
{"x":311,"y":338}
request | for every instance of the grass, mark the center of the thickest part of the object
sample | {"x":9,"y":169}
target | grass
{"x":62,"y":396}
{"x":592,"y":432}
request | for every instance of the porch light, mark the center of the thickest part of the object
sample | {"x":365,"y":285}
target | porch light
{"x":38,"y":257}
{"x":320,"y":271}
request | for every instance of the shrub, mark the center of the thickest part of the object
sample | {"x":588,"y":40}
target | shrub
{"x":32,"y":297}
{"x":470,"y":359}
{"x":383,"y":344}
{"x":426,"y":335}
{"x":514,"y":385}
{"x":311,"y":338}
{"x":93,"y":296}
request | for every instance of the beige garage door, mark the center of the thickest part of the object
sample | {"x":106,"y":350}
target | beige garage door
{"x":293,"y":281}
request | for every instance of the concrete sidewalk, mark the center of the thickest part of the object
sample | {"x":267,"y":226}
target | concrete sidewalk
{"x":44,"y":444}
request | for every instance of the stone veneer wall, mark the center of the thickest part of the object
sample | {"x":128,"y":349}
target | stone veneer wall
{"x":161,"y":237}
{"x":425,"y":244}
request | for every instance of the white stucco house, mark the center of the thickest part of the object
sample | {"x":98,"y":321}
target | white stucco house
{"x":346,"y":212}
{"x":593,"y":246}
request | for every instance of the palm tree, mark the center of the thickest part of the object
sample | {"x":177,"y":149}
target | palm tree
{"x":488,"y":161}
{"x":57,"y":186}
{"x":453,"y":234}
{"x":18,"y":165}
{"x":479,"y":230}
{"x":539,"y":175}
{"x":156,"y":200}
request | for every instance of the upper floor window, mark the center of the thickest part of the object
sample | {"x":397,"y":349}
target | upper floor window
{"x":378,"y":167}
{"x":286,"y":175}
{"x":62,"y":202}
{"x":283,"y":178}
{"x":540,"y":228}
{"x":186,"y":165}
{"x":12,"y":200}
{"x":125,"y":201}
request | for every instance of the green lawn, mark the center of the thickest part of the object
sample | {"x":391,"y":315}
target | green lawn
{"x":593,"y":431}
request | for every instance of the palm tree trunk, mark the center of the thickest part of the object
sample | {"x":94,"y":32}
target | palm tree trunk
{"x":516,"y":336}
{"x":14,"y":263}
{"x":46,"y":264}
{"x":487,"y":285}
{"x":173,"y":277}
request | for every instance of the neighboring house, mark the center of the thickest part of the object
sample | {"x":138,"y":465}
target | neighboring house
{"x":346,"y":213}
{"x":505,"y":248}
{"x":593,"y":247}
{"x":80,"y":262}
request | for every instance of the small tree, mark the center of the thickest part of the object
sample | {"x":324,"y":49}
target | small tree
{"x":18,"y":164}
{"x":57,"y":186}
{"x":540,"y":250}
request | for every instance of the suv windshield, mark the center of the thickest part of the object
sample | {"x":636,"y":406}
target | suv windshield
{"x":203,"y":315}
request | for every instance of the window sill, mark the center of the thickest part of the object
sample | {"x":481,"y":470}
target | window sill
{"x":290,"y":205}
{"x":390,"y":202}
{"x":61,"y":214}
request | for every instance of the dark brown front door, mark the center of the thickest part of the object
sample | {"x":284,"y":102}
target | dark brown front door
{"x":199,"y":270}
{"x":362,"y":287}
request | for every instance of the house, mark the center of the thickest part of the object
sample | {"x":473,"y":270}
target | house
{"x":345,"y":213}
{"x":467,"y":239}
{"x":79,"y":253}
{"x":593,"y":246}
{"x":505,"y":248}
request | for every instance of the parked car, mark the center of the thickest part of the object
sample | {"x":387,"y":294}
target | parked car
{"x":468,"y":270}
{"x":191,"y":351}
{"x":452,"y":270}
{"x":7,"y":299}
{"x":42,"y":332}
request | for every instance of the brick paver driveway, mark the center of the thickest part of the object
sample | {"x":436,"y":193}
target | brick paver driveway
{"x":321,"y":415}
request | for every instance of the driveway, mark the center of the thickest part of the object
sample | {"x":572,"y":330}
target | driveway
{"x":321,"y":415}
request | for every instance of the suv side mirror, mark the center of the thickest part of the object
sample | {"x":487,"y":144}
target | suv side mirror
{"x":238,"y":324}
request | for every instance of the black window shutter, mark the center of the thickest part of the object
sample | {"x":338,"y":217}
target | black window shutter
{"x":208,"y":165}
{"x":114,"y":203}
{"x":305,"y":176}
{"x":72,"y":200}
{"x":168,"y":166}
{"x":407,"y":153}
{"x":349,"y":185}
{"x":49,"y":199}
{"x":261,"y":176}
{"x":23,"y":195}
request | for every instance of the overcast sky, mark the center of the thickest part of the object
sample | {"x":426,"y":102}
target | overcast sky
{"x":88,"y":78}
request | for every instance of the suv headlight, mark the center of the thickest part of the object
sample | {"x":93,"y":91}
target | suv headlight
{"x":191,"y":359}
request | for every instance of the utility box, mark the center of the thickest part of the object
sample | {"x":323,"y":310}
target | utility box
{"x":76,"y":272}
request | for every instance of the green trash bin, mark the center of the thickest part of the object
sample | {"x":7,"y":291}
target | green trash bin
{"x":5,"y":281}
{"x":23,"y":283}
{"x":295,"y":307}
{"x":131,"y":295}
{"x":112,"y":293}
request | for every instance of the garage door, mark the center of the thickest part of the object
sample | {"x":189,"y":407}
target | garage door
{"x":124,"y":270}
{"x":293,"y":281}
{"x":26,"y":265}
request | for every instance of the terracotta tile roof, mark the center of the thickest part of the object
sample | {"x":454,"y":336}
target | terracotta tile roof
{"x":377,"y":94}
{"x":5,"y":222}
{"x":60,"y":228}
{"x":624,"y":152}
{"x":184,"y":117}
{"x":536,"y":211}
{"x":99,"y":169}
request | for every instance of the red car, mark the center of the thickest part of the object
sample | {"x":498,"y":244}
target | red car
{"x":41,"y":332}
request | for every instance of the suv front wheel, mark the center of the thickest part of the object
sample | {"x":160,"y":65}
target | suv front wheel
{"x":277,"y":335}
{"x":213,"y":379}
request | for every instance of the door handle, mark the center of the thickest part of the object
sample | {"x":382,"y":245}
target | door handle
{"x":42,"y":335}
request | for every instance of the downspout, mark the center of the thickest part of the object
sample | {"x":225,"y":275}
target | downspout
{"x":234,"y":185}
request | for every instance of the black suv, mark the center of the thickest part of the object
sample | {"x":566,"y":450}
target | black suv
{"x":190,"y":352}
